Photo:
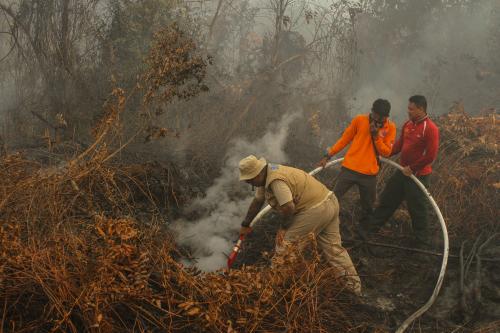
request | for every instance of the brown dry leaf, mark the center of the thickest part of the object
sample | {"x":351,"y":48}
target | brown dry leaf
{"x":252,"y":311}
{"x":111,"y":229}
{"x":230,"y":328}
{"x":241,"y":321}
{"x":186,"y":305}
{"x":126,"y":249}
{"x":100,"y":231}
{"x":194,"y":311}
{"x":127,"y":232}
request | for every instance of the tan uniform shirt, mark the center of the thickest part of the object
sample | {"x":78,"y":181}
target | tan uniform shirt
{"x":281,"y":191}
{"x":285,"y":184}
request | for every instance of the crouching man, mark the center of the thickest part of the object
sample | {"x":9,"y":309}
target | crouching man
{"x":306,"y":204}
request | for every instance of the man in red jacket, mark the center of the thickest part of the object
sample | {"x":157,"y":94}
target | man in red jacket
{"x":418,"y":145}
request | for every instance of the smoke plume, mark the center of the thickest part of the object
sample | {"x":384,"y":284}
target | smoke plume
{"x":225,"y":203}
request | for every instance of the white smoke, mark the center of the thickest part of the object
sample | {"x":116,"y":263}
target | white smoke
{"x":226,"y":202}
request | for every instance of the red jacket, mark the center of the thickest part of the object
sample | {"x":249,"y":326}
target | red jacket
{"x":418,"y":144}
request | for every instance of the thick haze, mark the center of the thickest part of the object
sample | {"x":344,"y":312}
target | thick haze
{"x":446,"y":52}
{"x":447,"y":56}
{"x":450,"y":58}
{"x":331,"y":61}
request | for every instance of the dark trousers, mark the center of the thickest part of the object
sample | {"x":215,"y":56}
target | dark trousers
{"x":367,"y":187}
{"x":400,"y":187}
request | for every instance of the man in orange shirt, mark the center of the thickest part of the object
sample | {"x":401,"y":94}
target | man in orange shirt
{"x":369,"y":136}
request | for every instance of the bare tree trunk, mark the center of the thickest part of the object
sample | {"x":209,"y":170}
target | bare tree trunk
{"x":279,"y":9}
{"x":64,"y":38}
{"x":64,"y":61}
{"x":214,"y":19}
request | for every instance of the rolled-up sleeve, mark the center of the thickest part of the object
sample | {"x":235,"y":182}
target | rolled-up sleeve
{"x":281,"y":192}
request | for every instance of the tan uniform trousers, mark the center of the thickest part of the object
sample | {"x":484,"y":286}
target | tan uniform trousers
{"x":323,"y":221}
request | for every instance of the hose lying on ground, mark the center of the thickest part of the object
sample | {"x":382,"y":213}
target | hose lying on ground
{"x":428,"y":304}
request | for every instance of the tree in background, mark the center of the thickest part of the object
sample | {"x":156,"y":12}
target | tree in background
{"x":68,"y":55}
{"x":54,"y":48}
{"x":436,"y":48}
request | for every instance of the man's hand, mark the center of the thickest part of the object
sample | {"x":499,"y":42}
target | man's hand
{"x":287,"y":210}
{"x":323,"y":162}
{"x":245,"y":231}
{"x":407,"y":171}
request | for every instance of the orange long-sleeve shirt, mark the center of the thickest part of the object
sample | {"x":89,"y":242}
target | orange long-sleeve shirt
{"x":360,"y":156}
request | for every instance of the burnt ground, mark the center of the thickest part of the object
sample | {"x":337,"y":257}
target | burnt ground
{"x":398,"y":277}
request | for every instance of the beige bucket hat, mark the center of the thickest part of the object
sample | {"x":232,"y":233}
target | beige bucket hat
{"x":250,"y":167}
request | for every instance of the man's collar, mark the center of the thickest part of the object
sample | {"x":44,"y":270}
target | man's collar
{"x":267,"y":174}
{"x":418,"y":121}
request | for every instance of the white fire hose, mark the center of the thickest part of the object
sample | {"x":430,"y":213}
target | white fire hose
{"x":439,"y":282}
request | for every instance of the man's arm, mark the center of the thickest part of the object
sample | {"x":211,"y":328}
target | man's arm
{"x":287,"y":210}
{"x":431,"y":148}
{"x":384,"y":145}
{"x":345,"y":139}
{"x":396,"y":147}
{"x":253,"y":210}
{"x":284,"y":197}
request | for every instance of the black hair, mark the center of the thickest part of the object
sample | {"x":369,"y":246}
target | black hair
{"x":382,"y":107}
{"x":419,"y":101}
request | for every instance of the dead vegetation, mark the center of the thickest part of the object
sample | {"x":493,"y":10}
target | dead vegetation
{"x":76,"y":255}
{"x":84,"y":245}
{"x":466,"y":182}
{"x":84,"y":248}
